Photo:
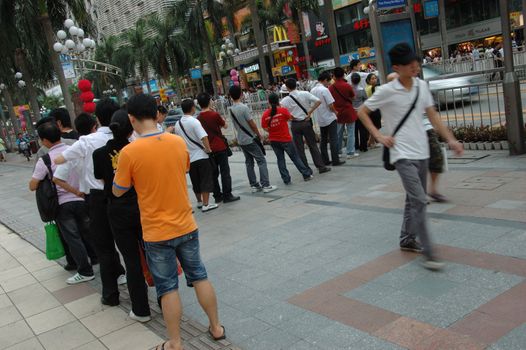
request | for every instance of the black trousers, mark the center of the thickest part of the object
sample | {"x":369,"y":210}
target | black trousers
{"x":125,"y":223}
{"x":303,"y":129}
{"x":222,"y":168}
{"x":102,"y":237}
{"x":329,"y":134}
{"x":361,"y":135}
{"x":87,"y":243}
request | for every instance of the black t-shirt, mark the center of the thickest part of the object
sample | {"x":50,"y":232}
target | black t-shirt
{"x":72,"y":135}
{"x":104,"y":165}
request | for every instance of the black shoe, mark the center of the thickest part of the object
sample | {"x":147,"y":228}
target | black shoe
{"x":324,"y":170}
{"x":342,"y":162}
{"x":70,"y":267}
{"x":412,"y":246}
{"x":218,"y":199}
{"x":231,"y":198}
{"x":94,"y":262}
{"x":109,"y":302}
{"x":308,"y":178}
{"x":328,"y":163}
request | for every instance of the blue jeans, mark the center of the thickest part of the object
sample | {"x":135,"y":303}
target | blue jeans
{"x":253,"y":152}
{"x":279,"y":149}
{"x":162,"y":262}
{"x":350,"y":137}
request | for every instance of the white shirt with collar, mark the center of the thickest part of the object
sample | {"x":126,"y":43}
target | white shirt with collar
{"x":393,"y":100}
{"x":323,"y":114}
{"x":363,"y":77}
{"x":305,"y":98}
{"x":82,"y":150}
{"x":195,"y":131}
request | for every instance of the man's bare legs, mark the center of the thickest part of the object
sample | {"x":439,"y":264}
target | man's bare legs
{"x":433,"y":188}
{"x":207,"y":299}
{"x":172,"y":311}
{"x":205,"y":196}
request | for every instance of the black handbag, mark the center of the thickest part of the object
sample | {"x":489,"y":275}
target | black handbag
{"x":256,"y":139}
{"x":386,"y":156}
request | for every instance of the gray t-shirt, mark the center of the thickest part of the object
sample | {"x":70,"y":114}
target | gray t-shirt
{"x":242,"y":113}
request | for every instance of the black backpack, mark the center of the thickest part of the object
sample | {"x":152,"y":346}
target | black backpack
{"x":47,"y":197}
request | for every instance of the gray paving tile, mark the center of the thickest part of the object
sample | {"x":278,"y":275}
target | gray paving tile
{"x":514,"y":340}
{"x":430,"y":286}
{"x":371,"y":292}
{"x":279,"y":313}
{"x":336,"y":337}
{"x":303,"y":345}
{"x":370,"y":342}
{"x":272,"y":338}
{"x":481,"y":278}
{"x":306,"y":325}
{"x":403,"y":275}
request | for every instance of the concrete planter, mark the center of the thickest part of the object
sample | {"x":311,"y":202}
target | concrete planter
{"x":466,"y":146}
{"x":497,"y":145}
{"x":473,"y":146}
{"x":488,"y":146}
{"x":505,"y":145}
{"x":480,"y":146}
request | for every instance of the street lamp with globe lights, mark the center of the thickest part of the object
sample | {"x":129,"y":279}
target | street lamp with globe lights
{"x":228,"y":51}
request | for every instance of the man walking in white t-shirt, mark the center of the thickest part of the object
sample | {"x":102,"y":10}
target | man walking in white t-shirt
{"x":326,"y":117}
{"x":201,"y":169}
{"x":409,"y":150}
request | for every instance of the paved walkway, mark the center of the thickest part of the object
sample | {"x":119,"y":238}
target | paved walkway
{"x":316,"y":266}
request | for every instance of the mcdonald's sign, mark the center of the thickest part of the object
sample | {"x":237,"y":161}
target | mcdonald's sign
{"x":280,"y":34}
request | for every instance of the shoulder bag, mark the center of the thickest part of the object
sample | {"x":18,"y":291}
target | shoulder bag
{"x":46,"y":194}
{"x":256,"y":139}
{"x":222,"y":137}
{"x":354,"y":116}
{"x":386,"y":157}
{"x":302,"y":108}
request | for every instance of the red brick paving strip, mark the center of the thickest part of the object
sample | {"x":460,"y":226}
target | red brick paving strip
{"x":72,"y":293}
{"x":481,"y":327}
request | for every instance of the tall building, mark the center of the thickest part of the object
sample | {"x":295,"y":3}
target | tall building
{"x":114,"y":17}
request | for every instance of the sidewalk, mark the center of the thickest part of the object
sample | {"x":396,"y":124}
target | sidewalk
{"x":315,"y":265}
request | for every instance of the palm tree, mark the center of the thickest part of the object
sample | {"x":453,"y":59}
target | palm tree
{"x":192,"y":12}
{"x":270,"y":15}
{"x":137,"y":50}
{"x":256,"y":26}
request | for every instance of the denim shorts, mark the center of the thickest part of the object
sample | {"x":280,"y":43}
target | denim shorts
{"x":161,"y":257}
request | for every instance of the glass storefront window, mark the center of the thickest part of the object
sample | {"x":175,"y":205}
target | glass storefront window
{"x":463,"y":12}
{"x":349,"y":15}
{"x":351,"y":42}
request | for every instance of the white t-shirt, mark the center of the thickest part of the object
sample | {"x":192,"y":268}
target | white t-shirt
{"x":323,"y":114}
{"x":305,"y":98}
{"x":393,"y":100}
{"x":363,"y":77}
{"x":196,"y":132}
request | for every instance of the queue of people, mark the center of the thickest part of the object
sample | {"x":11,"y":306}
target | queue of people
{"x":122,"y":185}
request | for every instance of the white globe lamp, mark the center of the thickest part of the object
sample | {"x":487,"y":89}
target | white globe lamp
{"x":57,"y":47}
{"x":61,"y":34}
{"x":80,"y":32}
{"x":70,"y":44}
{"x":73,"y":31}
{"x":68,"y":23}
{"x":21,"y":83}
{"x":86,"y":42}
{"x":18,"y":75}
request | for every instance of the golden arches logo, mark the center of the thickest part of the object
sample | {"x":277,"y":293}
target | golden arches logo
{"x":280,"y":34}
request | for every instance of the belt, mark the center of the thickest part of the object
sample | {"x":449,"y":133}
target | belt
{"x":297,"y":121}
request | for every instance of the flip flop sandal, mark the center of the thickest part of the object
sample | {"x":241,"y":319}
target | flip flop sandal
{"x":217,"y":338}
{"x":161,"y":346}
{"x":437,"y":197}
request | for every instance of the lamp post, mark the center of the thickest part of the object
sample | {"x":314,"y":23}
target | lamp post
{"x":227,"y":53}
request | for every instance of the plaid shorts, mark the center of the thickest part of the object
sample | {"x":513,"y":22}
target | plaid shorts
{"x":436,"y":157}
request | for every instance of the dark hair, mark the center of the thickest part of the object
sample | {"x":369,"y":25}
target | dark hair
{"x":402,"y":54}
{"x":203,"y":99}
{"x":104,"y":110}
{"x":61,"y":115}
{"x":187,"y":105}
{"x":273,"y":100}
{"x":355,"y":78}
{"x":291,"y":83}
{"x":44,"y":121}
{"x":142,"y":106}
{"x":369,"y":77}
{"x":160,"y":109}
{"x":49,"y":131}
{"x":235,"y":92}
{"x":354,"y":63}
{"x":339,"y":72}
{"x":120,"y":125}
{"x":324,"y":76}
{"x":84,"y":123}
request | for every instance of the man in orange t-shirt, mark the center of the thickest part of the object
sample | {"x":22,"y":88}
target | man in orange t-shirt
{"x":156,"y":165}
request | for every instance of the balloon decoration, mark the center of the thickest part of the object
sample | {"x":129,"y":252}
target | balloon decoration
{"x":234,"y":77}
{"x":86,"y":96}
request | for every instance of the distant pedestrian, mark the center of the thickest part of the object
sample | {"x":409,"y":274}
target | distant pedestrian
{"x":361,"y":134}
{"x":201,"y":168}
{"x":156,"y":165}
{"x":343,"y":95}
{"x":275,"y":121}
{"x":302,"y":104}
{"x":3,"y":154}
{"x":63,"y":120}
{"x":248,"y":137}
{"x":409,"y":98}
{"x":326,"y":119}
{"x":376,"y":116}
{"x":212,"y":122}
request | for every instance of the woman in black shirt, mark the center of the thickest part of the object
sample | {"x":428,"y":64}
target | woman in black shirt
{"x":124,"y":214}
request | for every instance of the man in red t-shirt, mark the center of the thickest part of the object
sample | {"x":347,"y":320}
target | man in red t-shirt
{"x":275,"y":122}
{"x":343,"y":94}
{"x":212,"y":122}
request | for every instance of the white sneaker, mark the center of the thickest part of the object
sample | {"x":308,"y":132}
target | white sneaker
{"x":351,"y":156}
{"x":122,"y":280}
{"x":256,"y":189}
{"x":78,"y":278}
{"x":199,"y":205}
{"x":210,"y":206}
{"x":141,"y":319}
{"x":269,"y":189}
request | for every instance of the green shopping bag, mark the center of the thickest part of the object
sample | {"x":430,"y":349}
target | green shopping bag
{"x":54,"y":248}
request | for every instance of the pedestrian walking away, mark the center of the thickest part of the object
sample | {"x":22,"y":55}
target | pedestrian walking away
{"x":123,"y":213}
{"x":212,"y":122}
{"x":275,"y":122}
{"x":251,"y":143}
{"x":169,"y":229}
{"x":111,"y":270}
{"x":201,"y":168}
{"x":343,"y":95}
{"x":326,"y":118}
{"x":403,"y":103}
{"x":301,"y":104}
{"x":360,"y":132}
